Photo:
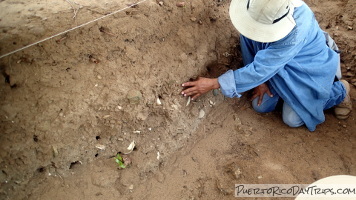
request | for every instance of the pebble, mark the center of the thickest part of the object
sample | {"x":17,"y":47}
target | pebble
{"x":99,"y":77}
{"x":158,"y":155}
{"x":131,"y":187}
{"x":180,"y":4}
{"x":100,"y":146}
{"x":55,"y":151}
{"x":260,"y":177}
{"x":134,"y":96}
{"x":193,"y":19}
{"x":237,"y":173}
{"x":215,"y":92}
{"x":158,"y":101}
{"x":160,"y":3}
{"x":201,"y":114}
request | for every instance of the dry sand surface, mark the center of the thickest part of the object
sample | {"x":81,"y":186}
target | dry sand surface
{"x":70,"y":104}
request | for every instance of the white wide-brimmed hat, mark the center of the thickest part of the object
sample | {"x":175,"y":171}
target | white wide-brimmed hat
{"x":263,"y":20}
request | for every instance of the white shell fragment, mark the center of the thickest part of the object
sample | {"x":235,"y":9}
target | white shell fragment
{"x":201,"y":114}
{"x":188,"y":102}
{"x":158,"y":155}
{"x":100,"y":146}
{"x":211,"y":102}
{"x":158,"y":101}
{"x":137,"y":132}
{"x":131,"y":147}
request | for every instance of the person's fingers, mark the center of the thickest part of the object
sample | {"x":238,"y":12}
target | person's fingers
{"x":189,"y":84}
{"x":190,"y":91}
{"x":195,"y":96}
{"x":269,"y":93}
{"x":260,"y":98}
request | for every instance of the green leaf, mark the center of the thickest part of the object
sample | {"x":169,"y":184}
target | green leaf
{"x":119,"y":157}
{"x":119,"y":161}
{"x":122,"y":165}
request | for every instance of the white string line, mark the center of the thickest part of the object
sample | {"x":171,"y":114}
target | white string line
{"x":61,"y":33}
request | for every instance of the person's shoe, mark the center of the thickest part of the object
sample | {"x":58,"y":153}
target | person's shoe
{"x":343,"y":110}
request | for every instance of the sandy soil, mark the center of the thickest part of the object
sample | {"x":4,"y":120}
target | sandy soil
{"x":70,"y":104}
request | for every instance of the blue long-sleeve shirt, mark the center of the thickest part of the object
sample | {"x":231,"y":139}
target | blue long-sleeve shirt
{"x":300,"y":67}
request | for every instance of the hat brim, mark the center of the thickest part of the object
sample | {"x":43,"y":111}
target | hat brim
{"x":257,"y":31}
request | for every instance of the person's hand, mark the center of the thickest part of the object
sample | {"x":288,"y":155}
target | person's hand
{"x":259,"y":91}
{"x":200,"y":86}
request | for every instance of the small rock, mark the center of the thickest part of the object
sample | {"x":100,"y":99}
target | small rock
{"x":158,"y":155}
{"x":160,"y":177}
{"x":215,"y":92}
{"x":193,"y":19}
{"x":100,"y":146}
{"x":349,"y":27}
{"x":200,"y":22}
{"x":160,"y":3}
{"x":131,"y":187}
{"x":201,"y":114}
{"x":344,"y":126}
{"x":158,"y":101}
{"x":259,"y":177}
{"x":180,"y":4}
{"x":106,"y":116}
{"x":99,"y":77}
{"x":134,"y":96}
{"x":55,"y":151}
{"x":237,"y":173}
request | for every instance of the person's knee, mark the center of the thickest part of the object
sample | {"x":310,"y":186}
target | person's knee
{"x":292,"y":121}
{"x":290,"y":117}
{"x":268,"y":104}
{"x":259,"y":108}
